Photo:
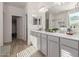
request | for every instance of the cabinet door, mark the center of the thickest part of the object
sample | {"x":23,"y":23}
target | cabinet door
{"x":44,"y":44}
{"x":38,"y":41}
{"x":53,"y":49}
{"x":68,"y":52}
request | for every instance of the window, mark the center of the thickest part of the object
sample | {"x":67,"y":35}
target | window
{"x":74,"y":19}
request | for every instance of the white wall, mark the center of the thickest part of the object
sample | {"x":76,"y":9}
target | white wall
{"x":8,"y":12}
{"x":1,"y":23}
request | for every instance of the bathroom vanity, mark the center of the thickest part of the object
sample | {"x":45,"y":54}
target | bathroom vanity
{"x":56,"y":44}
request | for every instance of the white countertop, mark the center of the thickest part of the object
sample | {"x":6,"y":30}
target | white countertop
{"x":63,"y":35}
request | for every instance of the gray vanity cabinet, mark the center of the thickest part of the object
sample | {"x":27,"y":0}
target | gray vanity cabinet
{"x":53,"y":46}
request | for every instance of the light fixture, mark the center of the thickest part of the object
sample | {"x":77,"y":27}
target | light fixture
{"x":43,"y":9}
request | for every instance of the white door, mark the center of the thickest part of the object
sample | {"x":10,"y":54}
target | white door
{"x":19,"y":28}
{"x":53,"y":49}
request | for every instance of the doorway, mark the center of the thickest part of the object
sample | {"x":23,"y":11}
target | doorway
{"x":14,"y":27}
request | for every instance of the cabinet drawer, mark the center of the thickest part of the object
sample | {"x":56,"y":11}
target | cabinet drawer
{"x":70,"y":43}
{"x":68,"y":52}
{"x":53,"y":38}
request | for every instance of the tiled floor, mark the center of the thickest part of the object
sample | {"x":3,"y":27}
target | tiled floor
{"x":11,"y":49}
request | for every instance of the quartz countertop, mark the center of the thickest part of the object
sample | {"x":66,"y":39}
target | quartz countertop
{"x":61,"y":35}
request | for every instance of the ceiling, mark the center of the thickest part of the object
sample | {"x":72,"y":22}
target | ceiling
{"x":53,"y":7}
{"x":18,"y":4}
